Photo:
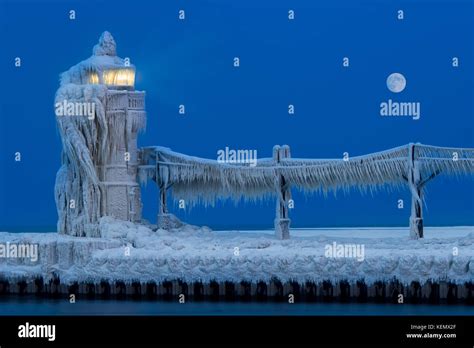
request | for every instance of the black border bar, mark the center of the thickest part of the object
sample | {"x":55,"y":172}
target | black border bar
{"x":223,"y":330}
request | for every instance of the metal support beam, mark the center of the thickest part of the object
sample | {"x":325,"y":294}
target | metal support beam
{"x":415,"y":183}
{"x":282,"y":221}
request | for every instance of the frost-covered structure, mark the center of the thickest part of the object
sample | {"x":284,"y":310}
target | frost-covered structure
{"x":100,"y":158}
{"x":199,"y":180}
{"x":101,"y":162}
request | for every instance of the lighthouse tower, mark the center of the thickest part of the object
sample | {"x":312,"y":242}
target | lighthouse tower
{"x":125,"y":116}
{"x":100,"y":156}
{"x":124,"y":111}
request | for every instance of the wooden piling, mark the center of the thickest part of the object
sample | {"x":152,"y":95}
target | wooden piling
{"x":469,"y":293}
{"x":343,"y":291}
{"x":261,"y":291}
{"x":415,"y":292}
{"x":246,"y":294}
{"x":310,"y":291}
{"x":327,"y":291}
{"x":214,"y":290}
{"x":198,"y":291}
{"x":230,"y":294}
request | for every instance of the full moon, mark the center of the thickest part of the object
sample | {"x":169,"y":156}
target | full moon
{"x":396,"y":82}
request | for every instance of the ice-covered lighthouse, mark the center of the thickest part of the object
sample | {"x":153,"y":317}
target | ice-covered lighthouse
{"x":101,"y":116}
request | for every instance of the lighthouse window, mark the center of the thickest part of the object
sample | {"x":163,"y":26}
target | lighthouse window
{"x":119,"y":77}
{"x":94,"y":78}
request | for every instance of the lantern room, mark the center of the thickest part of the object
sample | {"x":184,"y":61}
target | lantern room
{"x":115,"y":78}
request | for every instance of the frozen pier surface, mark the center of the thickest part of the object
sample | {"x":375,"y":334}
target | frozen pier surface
{"x":132,"y":254}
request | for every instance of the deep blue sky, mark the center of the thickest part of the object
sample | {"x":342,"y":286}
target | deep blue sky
{"x":299,"y":62}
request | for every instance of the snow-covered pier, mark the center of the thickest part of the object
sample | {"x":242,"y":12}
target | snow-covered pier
{"x":251,"y":265}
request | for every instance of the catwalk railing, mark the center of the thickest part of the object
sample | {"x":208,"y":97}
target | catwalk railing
{"x":199,"y":180}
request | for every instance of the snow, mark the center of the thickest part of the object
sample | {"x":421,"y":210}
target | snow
{"x":106,"y":45}
{"x":192,"y":253}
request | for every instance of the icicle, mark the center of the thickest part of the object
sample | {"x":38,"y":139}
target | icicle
{"x":201,"y":180}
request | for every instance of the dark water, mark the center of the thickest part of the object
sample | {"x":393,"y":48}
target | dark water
{"x":35,"y":306}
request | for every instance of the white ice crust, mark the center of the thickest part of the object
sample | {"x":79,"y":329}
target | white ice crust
{"x":191,"y":253}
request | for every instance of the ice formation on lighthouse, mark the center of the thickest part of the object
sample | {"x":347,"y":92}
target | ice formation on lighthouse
{"x":77,"y":191}
{"x":89,"y":143}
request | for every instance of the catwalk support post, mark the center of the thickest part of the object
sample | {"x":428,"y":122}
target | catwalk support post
{"x":282,"y":221}
{"x":414,"y":182}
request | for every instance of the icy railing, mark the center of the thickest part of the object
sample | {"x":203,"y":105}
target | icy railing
{"x":199,"y":180}
{"x":136,"y":100}
{"x":367,"y":171}
{"x":118,"y":100}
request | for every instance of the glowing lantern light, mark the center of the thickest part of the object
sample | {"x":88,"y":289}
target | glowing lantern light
{"x":115,"y":78}
{"x":94,"y":78}
{"x":119,"y":77}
